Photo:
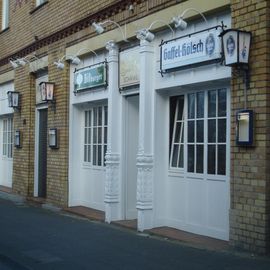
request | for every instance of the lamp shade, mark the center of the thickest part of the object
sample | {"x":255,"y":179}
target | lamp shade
{"x":13,"y":99}
{"x":46,"y":91}
{"x":236,"y":46}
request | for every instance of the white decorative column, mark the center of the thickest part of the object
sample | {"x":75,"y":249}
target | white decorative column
{"x":146,"y":126}
{"x":112,"y":182}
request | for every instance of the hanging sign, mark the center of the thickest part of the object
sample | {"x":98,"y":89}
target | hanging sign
{"x":194,"y":49}
{"x":129,"y":73}
{"x":90,"y":77}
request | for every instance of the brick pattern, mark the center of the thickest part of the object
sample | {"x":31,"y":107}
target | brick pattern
{"x":44,"y":21}
{"x":250,"y":186}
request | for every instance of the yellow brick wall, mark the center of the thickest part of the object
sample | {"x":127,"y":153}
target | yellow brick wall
{"x":50,"y":18}
{"x":250,"y":184}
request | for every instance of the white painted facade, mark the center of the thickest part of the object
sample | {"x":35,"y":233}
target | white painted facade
{"x":6,"y":136}
{"x":139,"y":180}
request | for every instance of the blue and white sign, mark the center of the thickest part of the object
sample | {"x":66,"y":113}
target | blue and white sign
{"x":192,"y":49}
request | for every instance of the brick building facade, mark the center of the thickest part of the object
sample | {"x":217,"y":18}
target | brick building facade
{"x":43,"y":32}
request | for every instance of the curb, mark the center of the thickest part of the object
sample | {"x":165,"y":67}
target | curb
{"x":12,"y":197}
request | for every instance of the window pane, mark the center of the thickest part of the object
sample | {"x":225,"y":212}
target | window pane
{"x":90,"y":118}
{"x":222,"y":130}
{"x":86,"y":119}
{"x":89,"y":135}
{"x":100,"y":116}
{"x":95,"y":135}
{"x":200,"y":105}
{"x":222,"y":159}
{"x":200,"y":131}
{"x":89,"y":153}
{"x":211,"y":160}
{"x":104,"y":154}
{"x":191,"y":106}
{"x":181,"y":157}
{"x":177,"y":132}
{"x":94,"y":155}
{"x":175,"y":155}
{"x":105,"y":135}
{"x":85,"y":154}
{"x":99,"y":135}
{"x":199,"y":154}
{"x":180,"y":108}
{"x":99,"y":155}
{"x":222,"y":102}
{"x":182,"y":134}
{"x":85,"y":136}
{"x":190,"y":158}
{"x":212,"y":130}
{"x":212,"y":103}
{"x":191,"y":131}
{"x":105,"y":115}
{"x":95,"y":116}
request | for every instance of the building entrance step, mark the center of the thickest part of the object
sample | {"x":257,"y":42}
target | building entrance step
{"x":83,"y":211}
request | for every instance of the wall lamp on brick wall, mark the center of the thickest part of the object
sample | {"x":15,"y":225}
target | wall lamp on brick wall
{"x":60,"y":64}
{"x":145,"y":34}
{"x":100,"y":29}
{"x":180,"y":23}
{"x":21,"y":62}
{"x":14,"y":100}
{"x":236,"y":46}
{"x":47,"y":93}
{"x":75,"y":60}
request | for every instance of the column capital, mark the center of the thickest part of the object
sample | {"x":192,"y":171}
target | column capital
{"x":111,"y":46}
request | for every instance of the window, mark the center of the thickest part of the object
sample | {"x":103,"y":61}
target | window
{"x":95,"y":135}
{"x":7,"y":137}
{"x":195,"y":132}
{"x":5,"y":14}
{"x":177,"y":132}
{"x":39,"y":2}
{"x":202,"y":149}
{"x":216,"y":142}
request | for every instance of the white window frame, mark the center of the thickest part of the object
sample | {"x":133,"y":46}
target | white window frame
{"x":205,"y":142}
{"x":94,"y":149}
{"x":7,"y":149}
{"x":5,"y":14}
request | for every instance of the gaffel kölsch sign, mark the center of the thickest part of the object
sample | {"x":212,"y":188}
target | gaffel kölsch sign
{"x":199,"y":48}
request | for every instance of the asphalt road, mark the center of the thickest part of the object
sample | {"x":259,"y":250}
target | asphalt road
{"x":35,"y":238}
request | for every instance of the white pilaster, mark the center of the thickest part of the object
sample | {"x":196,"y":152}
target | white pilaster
{"x":112,"y":182}
{"x":146,"y":124}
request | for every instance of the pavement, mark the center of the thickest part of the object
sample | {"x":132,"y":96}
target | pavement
{"x":32,"y":237}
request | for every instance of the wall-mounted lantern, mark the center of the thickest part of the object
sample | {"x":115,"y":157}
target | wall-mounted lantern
{"x":17,"y":139}
{"x":53,"y":138}
{"x":14,"y":100}
{"x":236,"y":49}
{"x":236,"y":46}
{"x":47,"y":93}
